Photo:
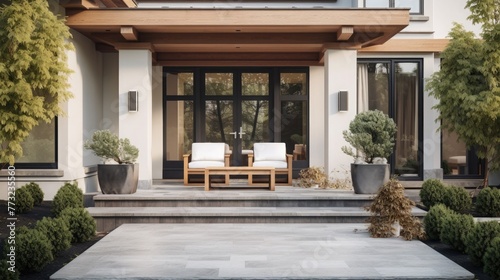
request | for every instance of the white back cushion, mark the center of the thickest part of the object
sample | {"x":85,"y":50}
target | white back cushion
{"x":208,"y":152}
{"x":269,"y":151}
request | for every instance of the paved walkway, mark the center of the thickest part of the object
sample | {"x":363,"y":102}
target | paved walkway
{"x":257,"y":251}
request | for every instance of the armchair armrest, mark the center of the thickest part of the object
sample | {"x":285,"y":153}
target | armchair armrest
{"x":250,"y":159}
{"x":226,"y":159}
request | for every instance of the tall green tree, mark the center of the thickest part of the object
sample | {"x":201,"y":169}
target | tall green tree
{"x":33,"y":71}
{"x":468,"y":84}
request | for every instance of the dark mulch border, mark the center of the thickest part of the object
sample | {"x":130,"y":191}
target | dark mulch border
{"x":38,"y":212}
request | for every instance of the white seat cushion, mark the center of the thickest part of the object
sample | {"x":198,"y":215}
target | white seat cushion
{"x":269,"y":152}
{"x":208,"y":152}
{"x":205,"y":164}
{"x":270,"y":163}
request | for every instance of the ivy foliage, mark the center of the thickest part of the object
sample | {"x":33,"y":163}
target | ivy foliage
{"x":371,"y":133}
{"x":33,"y":71}
{"x":468,"y":84}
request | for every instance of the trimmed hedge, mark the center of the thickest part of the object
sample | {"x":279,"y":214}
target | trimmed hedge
{"x":68,"y":196}
{"x":56,"y":229}
{"x":432,"y":192}
{"x":80,"y":223}
{"x":24,"y":200}
{"x":479,"y":239}
{"x":5,"y":273}
{"x":491,"y":259}
{"x":457,"y":199}
{"x":453,"y":229}
{"x":33,"y":251}
{"x":36,"y":192}
{"x":433,"y":220}
{"x":488,"y":202}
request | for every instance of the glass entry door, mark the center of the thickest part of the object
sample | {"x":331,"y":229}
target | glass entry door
{"x":236,"y":111}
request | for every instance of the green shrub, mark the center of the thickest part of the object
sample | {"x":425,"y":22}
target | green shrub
{"x":33,"y":251}
{"x":479,"y":238}
{"x":80,"y":223}
{"x":36,"y":192}
{"x":433,"y":220}
{"x":491,"y":259}
{"x":457,"y":199}
{"x":432,"y":192}
{"x":24,"y":200}
{"x":453,"y":229}
{"x":56,"y":229}
{"x":68,"y":196}
{"x":488,"y":202}
{"x":5,"y":273}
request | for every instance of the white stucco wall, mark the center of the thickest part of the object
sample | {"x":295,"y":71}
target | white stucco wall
{"x":316,"y":116}
{"x":157,"y":144}
{"x":448,"y":11}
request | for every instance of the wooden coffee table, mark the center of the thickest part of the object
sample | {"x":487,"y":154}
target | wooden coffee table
{"x":239,"y":170}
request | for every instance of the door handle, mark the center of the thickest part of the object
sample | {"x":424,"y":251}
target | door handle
{"x":241,"y":132}
{"x":234,"y":133}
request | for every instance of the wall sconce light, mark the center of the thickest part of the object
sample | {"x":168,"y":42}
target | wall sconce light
{"x":133,"y":101}
{"x":343,"y":101}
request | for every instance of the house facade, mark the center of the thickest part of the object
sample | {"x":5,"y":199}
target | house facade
{"x":166,"y":74}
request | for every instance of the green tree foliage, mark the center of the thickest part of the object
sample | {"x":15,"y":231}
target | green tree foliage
{"x":468,"y":84}
{"x":33,"y":71}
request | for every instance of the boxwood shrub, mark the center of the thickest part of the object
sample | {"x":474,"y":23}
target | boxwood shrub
{"x":453,"y":229}
{"x":488,"y":202}
{"x":479,"y":239}
{"x":24,"y":200}
{"x":433,"y":220}
{"x":33,"y":251}
{"x":80,"y":223}
{"x":68,"y":196}
{"x":5,"y":273}
{"x":432,"y":192}
{"x":457,"y":199}
{"x":36,"y":192}
{"x":56,"y":229}
{"x":491,"y":259}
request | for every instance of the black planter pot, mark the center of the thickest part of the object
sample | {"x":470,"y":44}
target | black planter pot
{"x":118,"y":178}
{"x":369,"y":178}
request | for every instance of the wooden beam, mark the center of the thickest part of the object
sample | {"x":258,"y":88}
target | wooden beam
{"x":135,"y":46}
{"x":129,"y":33}
{"x":130,"y":3}
{"x":109,"y":3}
{"x":408,"y":46}
{"x":79,"y":4}
{"x":344,"y":33}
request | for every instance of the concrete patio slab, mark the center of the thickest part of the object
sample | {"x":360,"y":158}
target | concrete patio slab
{"x":257,"y":251}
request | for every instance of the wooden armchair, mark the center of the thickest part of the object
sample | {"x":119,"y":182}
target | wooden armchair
{"x":205,"y":155}
{"x":271,"y":155}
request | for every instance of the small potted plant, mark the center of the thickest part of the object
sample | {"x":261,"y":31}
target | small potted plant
{"x":372,"y":134}
{"x":122,"y":176}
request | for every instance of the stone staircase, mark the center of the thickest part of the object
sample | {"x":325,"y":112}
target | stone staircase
{"x":179,"y":204}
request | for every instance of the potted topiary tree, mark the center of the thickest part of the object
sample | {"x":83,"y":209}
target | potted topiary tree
{"x":121,"y":177}
{"x":372,"y":134}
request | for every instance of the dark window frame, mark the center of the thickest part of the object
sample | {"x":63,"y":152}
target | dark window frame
{"x":392,"y":107}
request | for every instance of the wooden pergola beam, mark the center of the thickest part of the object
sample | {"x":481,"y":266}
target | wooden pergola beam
{"x":344,"y":33}
{"x":129,"y":33}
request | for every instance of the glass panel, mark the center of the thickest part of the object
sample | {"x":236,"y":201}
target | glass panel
{"x":255,"y":84}
{"x":219,"y":83}
{"x":373,"y":87}
{"x":294,"y":128}
{"x":377,"y":3}
{"x":179,"y":128}
{"x":255,"y":122}
{"x":406,"y":117}
{"x":180,"y":84}
{"x":293,"y":84}
{"x":457,"y":160}
{"x":40,"y":145}
{"x":414,"y":5}
{"x":218,"y":120}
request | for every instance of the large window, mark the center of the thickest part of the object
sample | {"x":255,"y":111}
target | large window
{"x":457,"y":160}
{"x":416,"y":6}
{"x":39,"y":149}
{"x":395,"y":87}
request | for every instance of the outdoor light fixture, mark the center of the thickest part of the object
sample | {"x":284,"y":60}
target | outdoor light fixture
{"x":133,"y":101}
{"x":343,"y":101}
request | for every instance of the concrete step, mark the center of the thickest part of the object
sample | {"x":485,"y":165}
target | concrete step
{"x":109,"y":218}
